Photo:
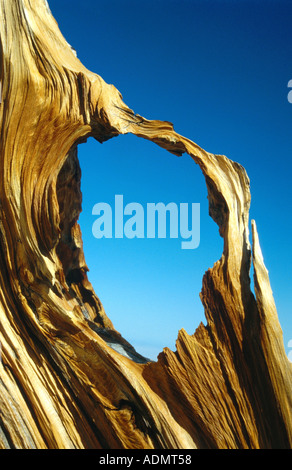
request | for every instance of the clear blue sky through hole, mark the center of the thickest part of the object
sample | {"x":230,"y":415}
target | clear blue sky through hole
{"x":149,"y":287}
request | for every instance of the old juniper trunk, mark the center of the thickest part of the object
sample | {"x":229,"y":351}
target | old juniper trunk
{"x":63,"y":383}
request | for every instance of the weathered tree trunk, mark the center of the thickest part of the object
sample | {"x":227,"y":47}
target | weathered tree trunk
{"x":62,"y":383}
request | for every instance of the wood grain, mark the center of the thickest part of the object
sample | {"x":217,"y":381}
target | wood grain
{"x":67,"y":378}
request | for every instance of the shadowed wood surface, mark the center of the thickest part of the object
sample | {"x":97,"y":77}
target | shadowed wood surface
{"x":68,"y":379}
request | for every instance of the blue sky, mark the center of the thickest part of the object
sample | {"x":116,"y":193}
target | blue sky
{"x":218,"y":70}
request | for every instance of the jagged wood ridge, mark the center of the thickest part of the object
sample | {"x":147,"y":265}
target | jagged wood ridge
{"x":67,"y":377}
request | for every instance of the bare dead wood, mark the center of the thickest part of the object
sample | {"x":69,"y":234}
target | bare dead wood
{"x":62,"y":384}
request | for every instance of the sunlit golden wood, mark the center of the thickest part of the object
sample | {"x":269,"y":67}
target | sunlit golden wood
{"x":67,"y":377}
